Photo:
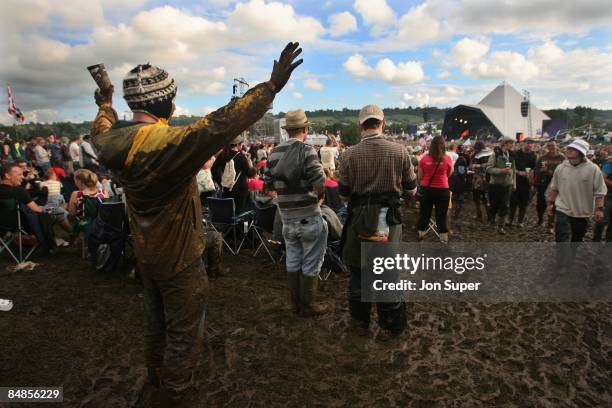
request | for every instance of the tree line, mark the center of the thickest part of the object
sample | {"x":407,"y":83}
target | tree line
{"x":344,"y":120}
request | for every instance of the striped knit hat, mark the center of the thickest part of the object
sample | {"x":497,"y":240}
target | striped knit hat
{"x":146,"y":86}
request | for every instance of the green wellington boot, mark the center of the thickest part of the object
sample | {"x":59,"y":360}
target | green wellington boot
{"x":308,"y":295}
{"x":293,"y":278}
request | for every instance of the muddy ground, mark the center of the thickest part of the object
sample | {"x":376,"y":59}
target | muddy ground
{"x":83,"y":331}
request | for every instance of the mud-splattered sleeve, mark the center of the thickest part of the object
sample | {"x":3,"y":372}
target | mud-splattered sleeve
{"x":179,"y":152}
{"x":105,"y":118}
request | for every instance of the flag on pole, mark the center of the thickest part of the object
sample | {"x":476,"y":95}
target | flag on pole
{"x":13,"y":110}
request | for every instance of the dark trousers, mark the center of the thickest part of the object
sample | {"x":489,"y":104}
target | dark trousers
{"x":499,"y":199}
{"x":541,"y":200}
{"x":520,"y":197}
{"x":479,"y":197}
{"x":175,"y":311}
{"x":570,"y":229}
{"x":440,"y":198}
{"x":41,"y":225}
{"x":391,"y":316}
{"x":600,"y":225}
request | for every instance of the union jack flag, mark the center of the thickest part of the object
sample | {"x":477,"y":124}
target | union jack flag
{"x":13,"y":110}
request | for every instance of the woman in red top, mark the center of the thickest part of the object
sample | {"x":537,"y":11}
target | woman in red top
{"x":434,"y":170}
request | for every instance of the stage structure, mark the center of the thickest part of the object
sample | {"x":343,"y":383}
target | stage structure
{"x":503,"y":112}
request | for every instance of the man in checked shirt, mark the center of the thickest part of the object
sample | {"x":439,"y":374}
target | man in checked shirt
{"x":373,"y":175}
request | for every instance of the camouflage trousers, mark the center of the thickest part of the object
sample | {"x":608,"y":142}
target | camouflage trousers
{"x":175,"y":311}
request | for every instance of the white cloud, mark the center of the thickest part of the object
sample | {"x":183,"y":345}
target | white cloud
{"x":25,"y":14}
{"x":406,"y":72}
{"x":512,"y":17}
{"x":444,"y":74}
{"x":356,"y":65}
{"x":43,"y":116}
{"x":468,"y":50}
{"x":215,"y":88}
{"x":502,"y":65}
{"x":436,"y":20}
{"x":416,"y":26}
{"x":342,"y":23}
{"x":375,"y":13}
{"x":546,"y":53}
{"x":433,"y":95}
{"x":50,"y":72}
{"x":180,"y":111}
{"x":169,"y":24}
{"x":261,"y":21}
{"x":471,"y":56}
{"x":313,"y":84}
{"x":221,"y":3}
{"x":297,"y":95}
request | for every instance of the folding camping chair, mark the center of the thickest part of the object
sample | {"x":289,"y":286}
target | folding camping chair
{"x":433,"y":227}
{"x":11,"y":228}
{"x":263,"y":221}
{"x":90,"y":212}
{"x":223,"y":219}
{"x":332,"y":262}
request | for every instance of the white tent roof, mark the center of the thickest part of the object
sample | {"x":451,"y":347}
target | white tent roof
{"x":503,"y":108}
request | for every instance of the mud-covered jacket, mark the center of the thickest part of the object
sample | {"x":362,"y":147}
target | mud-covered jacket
{"x":156,"y":165}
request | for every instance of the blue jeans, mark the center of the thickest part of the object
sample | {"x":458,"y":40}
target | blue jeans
{"x":305,"y":242}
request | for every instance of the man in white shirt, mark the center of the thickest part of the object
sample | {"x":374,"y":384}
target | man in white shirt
{"x":75,"y":152}
{"x":42,"y":156}
{"x":329,"y":153}
{"x":88,"y":158}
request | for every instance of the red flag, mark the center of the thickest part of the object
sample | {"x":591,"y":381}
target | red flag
{"x":520,"y":137}
{"x":13,"y":110}
{"x":465,"y":133}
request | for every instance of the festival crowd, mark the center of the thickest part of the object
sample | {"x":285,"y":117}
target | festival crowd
{"x":327,"y":198}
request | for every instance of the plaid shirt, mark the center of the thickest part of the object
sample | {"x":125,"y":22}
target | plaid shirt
{"x":376,"y":165}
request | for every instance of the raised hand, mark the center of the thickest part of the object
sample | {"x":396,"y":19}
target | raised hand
{"x":104,"y":97}
{"x":284,"y":66}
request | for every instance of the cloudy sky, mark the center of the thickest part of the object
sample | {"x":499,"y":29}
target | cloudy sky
{"x":390,"y":52}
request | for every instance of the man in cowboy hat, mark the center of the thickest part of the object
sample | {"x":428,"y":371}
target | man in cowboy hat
{"x":295,"y":172}
{"x":156,"y":165}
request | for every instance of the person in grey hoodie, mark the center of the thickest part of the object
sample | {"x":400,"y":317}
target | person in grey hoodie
{"x":577,"y":191}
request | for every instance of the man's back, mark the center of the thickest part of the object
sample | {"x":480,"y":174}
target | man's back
{"x":161,"y":195}
{"x":375,"y":165}
{"x":156,"y":165}
{"x":297,"y":201}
